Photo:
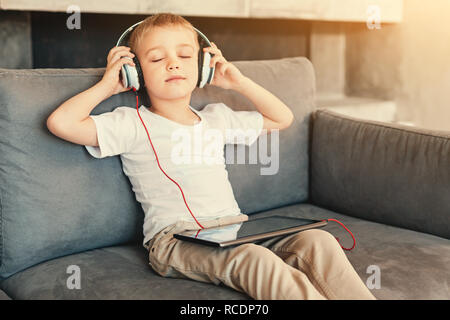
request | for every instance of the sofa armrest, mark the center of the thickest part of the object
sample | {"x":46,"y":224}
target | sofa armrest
{"x":383,"y":172}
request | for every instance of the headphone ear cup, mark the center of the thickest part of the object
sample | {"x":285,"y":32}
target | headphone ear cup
{"x":209,"y":75}
{"x":123,"y":73}
{"x":132,"y":76}
{"x":205,"y":72}
{"x":200,"y":64}
{"x":139,"y":72}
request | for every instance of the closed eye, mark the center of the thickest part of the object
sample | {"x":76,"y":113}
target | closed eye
{"x":185,"y":57}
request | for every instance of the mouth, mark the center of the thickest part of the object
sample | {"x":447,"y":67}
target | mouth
{"x":175,"y":78}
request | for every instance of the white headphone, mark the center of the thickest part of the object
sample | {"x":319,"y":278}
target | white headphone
{"x":133,"y":77}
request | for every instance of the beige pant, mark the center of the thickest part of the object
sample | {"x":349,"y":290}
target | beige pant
{"x":306,"y":265}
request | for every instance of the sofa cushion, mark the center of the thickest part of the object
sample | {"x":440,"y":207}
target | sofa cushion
{"x":381,"y":172}
{"x":119,"y":272}
{"x":412,"y":265}
{"x":4,"y":296}
{"x":55,"y":199}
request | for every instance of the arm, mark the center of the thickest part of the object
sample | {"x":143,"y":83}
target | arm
{"x":275,"y":113}
{"x":71,"y":121}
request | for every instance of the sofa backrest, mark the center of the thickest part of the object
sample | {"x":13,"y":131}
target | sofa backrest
{"x":383,"y":172}
{"x":56,"y":199}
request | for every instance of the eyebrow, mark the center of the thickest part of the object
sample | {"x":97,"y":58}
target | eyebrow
{"x":180,"y":45}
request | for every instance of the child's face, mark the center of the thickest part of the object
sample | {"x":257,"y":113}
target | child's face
{"x":177,"y":54}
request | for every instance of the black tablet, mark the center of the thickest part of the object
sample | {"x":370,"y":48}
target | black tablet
{"x":249,"y":231}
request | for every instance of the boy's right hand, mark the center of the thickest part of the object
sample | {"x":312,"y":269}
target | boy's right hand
{"x":117,"y":57}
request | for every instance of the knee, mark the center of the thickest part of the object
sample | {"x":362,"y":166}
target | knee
{"x":256,"y":253}
{"x":316,"y":240}
{"x":320,"y":236}
{"x":255,"y":249}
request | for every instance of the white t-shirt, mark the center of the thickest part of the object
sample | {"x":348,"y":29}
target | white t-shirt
{"x":192,"y":155}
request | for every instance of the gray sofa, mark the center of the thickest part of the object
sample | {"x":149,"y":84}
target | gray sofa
{"x":65,"y":214}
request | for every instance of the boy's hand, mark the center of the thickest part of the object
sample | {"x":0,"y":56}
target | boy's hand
{"x":117,"y":57}
{"x":226,"y":75}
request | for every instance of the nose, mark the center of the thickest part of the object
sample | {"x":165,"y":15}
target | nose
{"x":173,"y":63}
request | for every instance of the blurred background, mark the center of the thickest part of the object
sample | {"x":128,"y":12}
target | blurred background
{"x":385,"y":60}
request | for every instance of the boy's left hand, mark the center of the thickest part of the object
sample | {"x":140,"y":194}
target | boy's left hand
{"x":226,"y":75}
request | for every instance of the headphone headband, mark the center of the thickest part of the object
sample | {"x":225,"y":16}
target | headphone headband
{"x":130,"y":29}
{"x":126,"y":32}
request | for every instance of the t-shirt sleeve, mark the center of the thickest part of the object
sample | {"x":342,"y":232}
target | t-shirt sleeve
{"x":241,"y":127}
{"x":116,"y":132}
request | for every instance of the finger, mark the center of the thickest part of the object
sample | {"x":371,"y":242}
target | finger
{"x":213,"y":50}
{"x":220,"y":68}
{"x":217,"y":59}
{"x":223,"y":68}
{"x":115,"y":49}
{"x":118,"y":64}
{"x":120,"y":48}
{"x":215,"y":47}
{"x":120,"y":54}
{"x":213,"y":61}
{"x":125,"y":89}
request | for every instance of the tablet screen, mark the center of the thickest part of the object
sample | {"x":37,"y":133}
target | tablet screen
{"x":254,"y":227}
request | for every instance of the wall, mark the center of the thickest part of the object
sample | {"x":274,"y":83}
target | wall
{"x":56,"y":46}
{"x":15,"y":38}
{"x":407,"y":62}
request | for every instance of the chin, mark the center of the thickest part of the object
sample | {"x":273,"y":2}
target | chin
{"x":180,"y":88}
{"x":172,"y":94}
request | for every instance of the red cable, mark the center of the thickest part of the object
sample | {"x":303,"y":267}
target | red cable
{"x":157,"y":160}
{"x":354,"y":240}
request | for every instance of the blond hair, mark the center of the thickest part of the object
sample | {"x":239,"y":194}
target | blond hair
{"x":158,"y":20}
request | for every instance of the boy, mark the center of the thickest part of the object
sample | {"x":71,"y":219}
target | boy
{"x":307,"y":265}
